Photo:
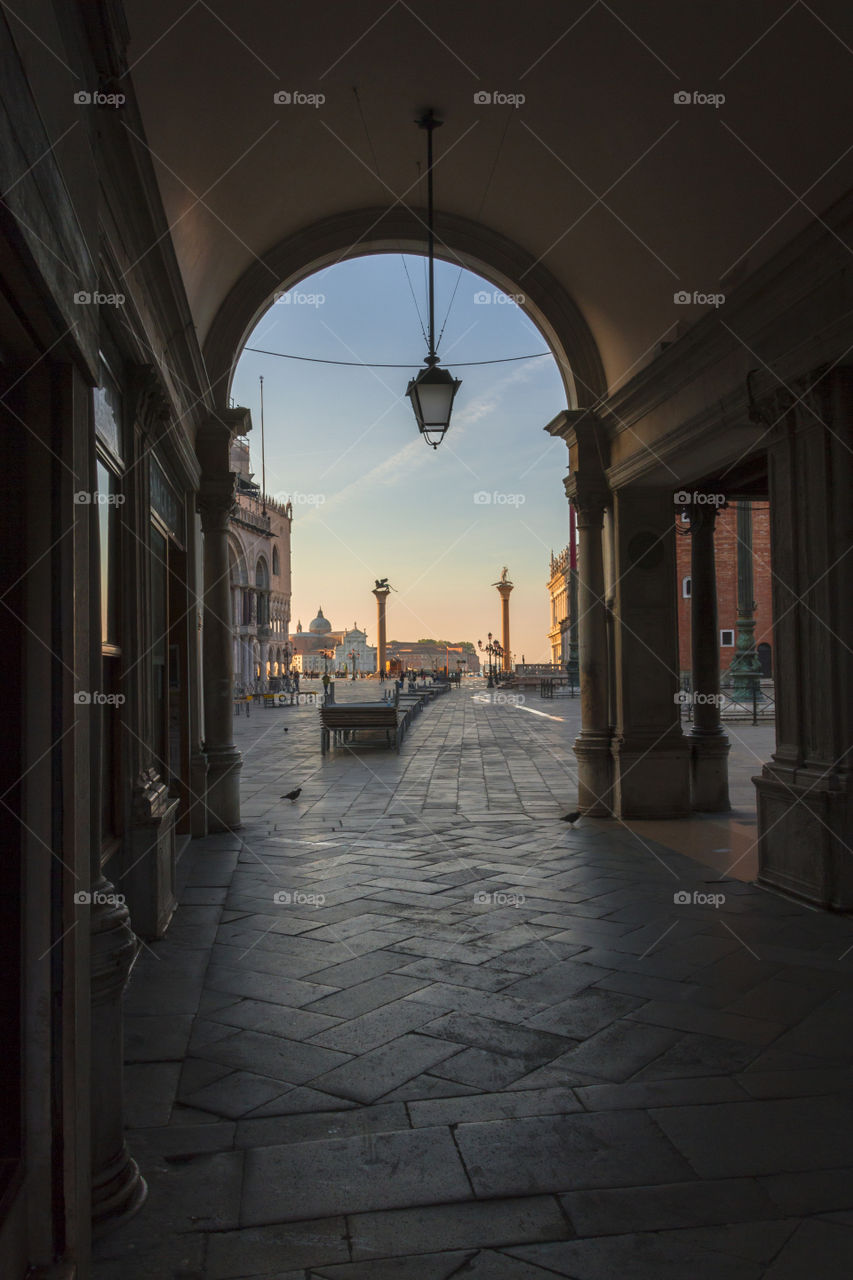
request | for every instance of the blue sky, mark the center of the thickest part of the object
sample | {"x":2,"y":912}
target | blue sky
{"x":371,"y":499}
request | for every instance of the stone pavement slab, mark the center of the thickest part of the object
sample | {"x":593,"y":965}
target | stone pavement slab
{"x":372,"y":1171}
{"x":412,"y":1075}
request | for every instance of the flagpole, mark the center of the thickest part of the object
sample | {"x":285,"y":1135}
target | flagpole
{"x":263,"y":455}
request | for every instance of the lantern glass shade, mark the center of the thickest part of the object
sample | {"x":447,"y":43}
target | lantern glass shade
{"x":432,"y":393}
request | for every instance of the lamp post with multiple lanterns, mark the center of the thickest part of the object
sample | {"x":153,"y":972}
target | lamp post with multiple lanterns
{"x":495,"y":651}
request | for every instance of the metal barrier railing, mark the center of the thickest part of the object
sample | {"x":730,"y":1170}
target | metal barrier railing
{"x":750,"y":699}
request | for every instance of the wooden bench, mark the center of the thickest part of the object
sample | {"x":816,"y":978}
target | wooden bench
{"x":344,"y":720}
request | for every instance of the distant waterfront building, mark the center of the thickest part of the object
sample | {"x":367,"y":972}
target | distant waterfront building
{"x":313,"y":650}
{"x":355,"y":641}
{"x":420,"y":655}
{"x":259,"y":563}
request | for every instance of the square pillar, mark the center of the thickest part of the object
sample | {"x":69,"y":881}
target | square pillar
{"x":805,"y":805}
{"x":651,"y":757}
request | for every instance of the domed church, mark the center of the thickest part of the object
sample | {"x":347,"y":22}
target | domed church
{"x":309,"y":646}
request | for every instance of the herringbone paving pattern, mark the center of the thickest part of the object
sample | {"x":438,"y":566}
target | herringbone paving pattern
{"x":415,"y":1027}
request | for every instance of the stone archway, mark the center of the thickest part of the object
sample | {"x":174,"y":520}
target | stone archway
{"x":360,"y":233}
{"x":401,"y":230}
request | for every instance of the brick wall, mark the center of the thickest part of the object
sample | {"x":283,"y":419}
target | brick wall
{"x":725,"y":547}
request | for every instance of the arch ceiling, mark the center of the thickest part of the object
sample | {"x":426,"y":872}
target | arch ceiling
{"x":623,"y":195}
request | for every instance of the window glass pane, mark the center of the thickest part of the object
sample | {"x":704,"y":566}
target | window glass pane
{"x":159,"y":643}
{"x":108,"y":500}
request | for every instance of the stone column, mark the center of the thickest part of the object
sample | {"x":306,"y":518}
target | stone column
{"x":805,"y":793}
{"x":709,"y":745}
{"x":592,"y":746}
{"x":651,"y":758}
{"x":381,"y":594}
{"x":216,"y":501}
{"x":504,"y":591}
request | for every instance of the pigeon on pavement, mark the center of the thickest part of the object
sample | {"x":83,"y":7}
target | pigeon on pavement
{"x":572,"y":818}
{"x":292,"y":795}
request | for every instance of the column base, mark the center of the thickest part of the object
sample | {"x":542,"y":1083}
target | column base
{"x":709,"y":772}
{"x":223,"y":789}
{"x":117,"y":1193}
{"x":651,"y":780}
{"x":595,"y":782}
{"x":804,"y":835}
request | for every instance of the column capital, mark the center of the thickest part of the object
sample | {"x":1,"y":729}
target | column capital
{"x":590,"y":496}
{"x":703,"y":517}
{"x":215,"y":501}
{"x":214,"y":437}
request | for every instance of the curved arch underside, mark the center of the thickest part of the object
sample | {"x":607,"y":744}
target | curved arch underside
{"x":400,"y":230}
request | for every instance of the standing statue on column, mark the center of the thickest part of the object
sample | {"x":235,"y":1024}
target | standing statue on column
{"x":504,"y":586}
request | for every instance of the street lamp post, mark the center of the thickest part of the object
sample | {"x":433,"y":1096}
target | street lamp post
{"x":491,"y":649}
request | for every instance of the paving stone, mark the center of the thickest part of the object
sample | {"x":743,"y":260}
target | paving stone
{"x":532,"y":1046}
{"x":378,"y":1171}
{"x":812,"y":1191}
{"x":447,"y":998}
{"x":755,"y":1241}
{"x":454,"y":973}
{"x":652,"y":1256}
{"x":429,"y":1086}
{"x":490,"y":1264}
{"x":458,"y":1226}
{"x":156,"y":1037}
{"x":486,"y":1071}
{"x":553,"y":1153}
{"x":748,"y":1138}
{"x":633,"y":1018}
{"x":360,"y":969}
{"x":698,"y":1055}
{"x":235,"y":1094}
{"x":298,"y":1100}
{"x":365,"y":996}
{"x":254,"y":1250}
{"x":290,"y":1061}
{"x":180,"y":1140}
{"x":180,"y":1255}
{"x":617,"y":1052}
{"x":687,"y":1017}
{"x":686,"y":1204}
{"x":556,"y":982}
{"x":275,"y":1019}
{"x":433,"y":1266}
{"x":657,"y":1093}
{"x":493,"y":1106}
{"x":149,"y":1093}
{"x":311,"y":1127}
{"x":378,"y":1072}
{"x":584,"y":1013}
{"x":359,"y":1035}
{"x":824,"y":1033}
{"x":263,"y":986}
{"x":790,"y":1084}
